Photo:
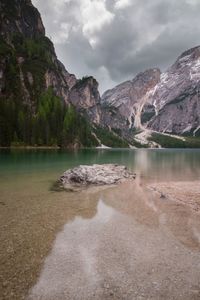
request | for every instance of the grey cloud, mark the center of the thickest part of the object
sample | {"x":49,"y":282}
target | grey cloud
{"x":143,"y":35}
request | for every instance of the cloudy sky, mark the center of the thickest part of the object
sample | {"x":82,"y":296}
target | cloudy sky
{"x":113,"y":40}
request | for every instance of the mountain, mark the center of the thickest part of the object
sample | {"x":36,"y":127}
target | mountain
{"x":176,"y":97}
{"x":41,"y":103}
{"x":122,"y":106}
{"x":162,"y":102}
{"x":28,"y":60}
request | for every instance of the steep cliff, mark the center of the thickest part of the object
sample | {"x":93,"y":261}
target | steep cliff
{"x":36,"y":91}
{"x":166,"y":103}
{"x":86,"y":98}
{"x":122,"y":106}
{"x":27,"y":58}
{"x":176,"y":97}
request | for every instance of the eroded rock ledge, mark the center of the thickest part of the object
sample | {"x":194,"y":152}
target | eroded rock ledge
{"x":84,"y":175}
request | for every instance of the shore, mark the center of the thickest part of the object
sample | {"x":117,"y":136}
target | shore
{"x":184,"y":192}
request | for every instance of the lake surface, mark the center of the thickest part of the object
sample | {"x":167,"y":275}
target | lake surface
{"x":118,"y":243}
{"x":154,"y":164}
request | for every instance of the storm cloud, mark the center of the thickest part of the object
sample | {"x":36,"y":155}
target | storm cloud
{"x":113,"y":40}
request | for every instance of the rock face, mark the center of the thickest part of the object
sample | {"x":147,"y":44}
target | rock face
{"x":20,"y":16}
{"x":86,"y":98}
{"x":123,"y":104}
{"x":84,"y":175}
{"x":30,"y":71}
{"x":31,"y":54}
{"x":167,"y":102}
{"x":176,"y":97}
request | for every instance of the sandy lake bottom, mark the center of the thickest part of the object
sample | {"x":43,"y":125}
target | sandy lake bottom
{"x":124,"y":242}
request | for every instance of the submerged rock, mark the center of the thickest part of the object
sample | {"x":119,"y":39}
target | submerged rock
{"x":106,"y":174}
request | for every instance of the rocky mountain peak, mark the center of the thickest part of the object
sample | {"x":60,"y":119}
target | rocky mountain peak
{"x":22,"y":17}
{"x":187,"y":63}
{"x":148,"y":76}
{"x":180,"y":77}
{"x":165,"y":102}
{"x":176,"y":97}
{"x":128,"y":99}
{"x":193,"y":53}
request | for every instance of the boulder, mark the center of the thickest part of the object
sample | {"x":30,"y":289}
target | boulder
{"x":84,"y":175}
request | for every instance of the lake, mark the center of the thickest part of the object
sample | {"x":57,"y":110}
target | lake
{"x":118,"y":243}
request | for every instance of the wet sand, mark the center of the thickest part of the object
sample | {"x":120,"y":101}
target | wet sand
{"x":123,"y":242}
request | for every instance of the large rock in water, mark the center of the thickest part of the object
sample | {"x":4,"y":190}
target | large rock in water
{"x":84,"y":175}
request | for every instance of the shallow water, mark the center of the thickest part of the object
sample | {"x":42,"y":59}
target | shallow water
{"x":118,"y":243}
{"x":156,"y":164}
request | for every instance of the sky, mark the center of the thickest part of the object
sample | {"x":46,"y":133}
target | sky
{"x":114,"y":40}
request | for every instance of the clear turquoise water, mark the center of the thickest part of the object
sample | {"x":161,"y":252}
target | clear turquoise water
{"x":159,"y":165}
{"x":31,"y":214}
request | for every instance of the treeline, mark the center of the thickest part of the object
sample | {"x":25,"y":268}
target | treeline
{"x":52,"y":124}
{"x":167,"y":141}
{"x":109,"y":138}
